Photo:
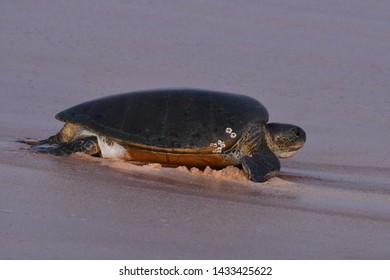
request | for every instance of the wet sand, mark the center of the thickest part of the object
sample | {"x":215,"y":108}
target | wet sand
{"x":318,"y":65}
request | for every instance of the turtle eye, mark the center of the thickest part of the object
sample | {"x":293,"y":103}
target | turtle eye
{"x":296,"y":132}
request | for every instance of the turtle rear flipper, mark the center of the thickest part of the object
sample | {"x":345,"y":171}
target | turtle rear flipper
{"x":261,"y":165}
{"x":33,"y":142}
{"x":87,"y":145}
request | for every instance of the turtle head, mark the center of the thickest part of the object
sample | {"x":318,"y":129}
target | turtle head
{"x":284,"y":139}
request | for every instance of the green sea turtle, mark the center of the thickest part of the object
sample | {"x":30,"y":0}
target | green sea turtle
{"x":183,"y":126}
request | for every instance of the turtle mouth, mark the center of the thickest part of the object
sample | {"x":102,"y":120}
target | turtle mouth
{"x":285,"y":154}
{"x":290,"y":151}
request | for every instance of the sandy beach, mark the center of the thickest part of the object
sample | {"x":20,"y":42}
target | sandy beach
{"x":321,"y":65}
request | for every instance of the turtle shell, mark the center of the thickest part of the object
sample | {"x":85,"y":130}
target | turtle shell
{"x":178,"y":118}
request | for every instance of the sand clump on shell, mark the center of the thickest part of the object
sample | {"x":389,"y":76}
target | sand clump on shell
{"x":152,"y":166}
{"x":229,"y":172}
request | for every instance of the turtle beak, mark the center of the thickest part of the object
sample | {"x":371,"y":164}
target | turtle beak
{"x":300,"y":136}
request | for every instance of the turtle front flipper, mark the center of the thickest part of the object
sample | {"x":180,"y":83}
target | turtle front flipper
{"x":261,"y":165}
{"x":87,"y":145}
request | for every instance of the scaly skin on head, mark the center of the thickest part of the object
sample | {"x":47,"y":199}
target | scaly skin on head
{"x":284,"y":139}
